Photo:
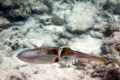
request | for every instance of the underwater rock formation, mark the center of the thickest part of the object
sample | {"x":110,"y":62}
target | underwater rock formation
{"x":76,"y":23}
{"x":56,"y":20}
{"x":39,"y":8}
{"x":113,"y":74}
{"x":23,"y":9}
{"x":4,"y":23}
{"x":23,"y":12}
{"x":113,"y":6}
{"x":49,"y":4}
{"x":6,"y":3}
{"x":16,"y":9}
{"x":111,"y":49}
{"x":110,"y":43}
{"x":113,"y":71}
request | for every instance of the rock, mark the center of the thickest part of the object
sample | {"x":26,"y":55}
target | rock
{"x":4,"y":22}
{"x":81,"y":19}
{"x":56,"y":20}
{"x":45,"y":19}
{"x":6,"y":3}
{"x":22,"y":12}
{"x":49,"y":4}
{"x":40,"y":8}
{"x":16,"y":9}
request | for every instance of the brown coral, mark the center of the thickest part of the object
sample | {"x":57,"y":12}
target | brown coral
{"x":117,"y":47}
{"x":108,"y":31}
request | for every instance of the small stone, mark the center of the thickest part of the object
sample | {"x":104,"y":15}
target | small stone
{"x":23,"y":65}
{"x":35,"y":72}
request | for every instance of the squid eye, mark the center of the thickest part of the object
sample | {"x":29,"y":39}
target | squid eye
{"x":66,"y":57}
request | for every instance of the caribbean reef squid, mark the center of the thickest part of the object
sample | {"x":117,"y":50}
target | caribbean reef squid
{"x":48,"y":54}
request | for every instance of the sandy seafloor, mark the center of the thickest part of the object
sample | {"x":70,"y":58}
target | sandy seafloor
{"x":77,"y":24}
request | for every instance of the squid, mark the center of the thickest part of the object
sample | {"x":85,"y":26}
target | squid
{"x":48,"y":54}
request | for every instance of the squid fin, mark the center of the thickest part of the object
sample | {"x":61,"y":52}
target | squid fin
{"x":47,"y":44}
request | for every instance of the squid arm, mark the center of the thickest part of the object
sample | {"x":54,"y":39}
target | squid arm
{"x":88,"y":56}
